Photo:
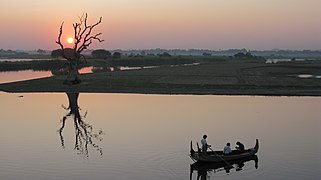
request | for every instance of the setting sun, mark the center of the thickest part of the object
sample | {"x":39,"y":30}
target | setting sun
{"x":70,"y":40}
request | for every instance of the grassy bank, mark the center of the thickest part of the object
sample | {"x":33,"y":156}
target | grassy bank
{"x":231,"y":77}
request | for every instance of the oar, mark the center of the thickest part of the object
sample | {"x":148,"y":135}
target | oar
{"x":221,"y":158}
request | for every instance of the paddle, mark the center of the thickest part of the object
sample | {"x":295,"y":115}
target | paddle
{"x":222,"y":158}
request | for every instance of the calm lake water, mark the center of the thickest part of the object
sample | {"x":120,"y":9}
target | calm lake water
{"x":143,"y":137}
{"x":14,"y":76}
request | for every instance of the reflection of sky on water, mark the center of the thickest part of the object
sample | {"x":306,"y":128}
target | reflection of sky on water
{"x":148,"y":136}
{"x":269,"y":61}
{"x":308,"y":76}
{"x":12,"y":76}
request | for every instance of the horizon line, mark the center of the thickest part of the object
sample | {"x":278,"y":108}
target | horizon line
{"x":171,"y":49}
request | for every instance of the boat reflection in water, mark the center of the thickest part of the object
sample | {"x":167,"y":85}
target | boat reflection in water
{"x":203,"y":168}
{"x":85,"y":137}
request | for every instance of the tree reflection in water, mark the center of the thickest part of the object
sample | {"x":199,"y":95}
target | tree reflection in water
{"x":86,"y":138}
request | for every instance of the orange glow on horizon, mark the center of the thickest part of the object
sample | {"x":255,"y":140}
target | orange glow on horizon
{"x":257,"y":25}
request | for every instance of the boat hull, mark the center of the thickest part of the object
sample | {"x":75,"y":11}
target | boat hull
{"x":217,"y":156}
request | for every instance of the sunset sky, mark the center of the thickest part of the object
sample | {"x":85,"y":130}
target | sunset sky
{"x":145,"y":24}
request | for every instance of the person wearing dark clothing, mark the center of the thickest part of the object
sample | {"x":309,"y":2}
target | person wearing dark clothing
{"x":204,"y":144}
{"x":240,"y":146}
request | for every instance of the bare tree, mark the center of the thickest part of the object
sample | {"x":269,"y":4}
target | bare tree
{"x":83,"y":38}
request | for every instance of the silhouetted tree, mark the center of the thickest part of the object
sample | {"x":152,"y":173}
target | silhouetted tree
{"x":206,"y":54}
{"x":101,"y":53}
{"x":244,"y":56}
{"x":165,"y":54}
{"x":56,"y":53}
{"x":41,"y":51}
{"x":83,"y":38}
{"x":116,"y":55}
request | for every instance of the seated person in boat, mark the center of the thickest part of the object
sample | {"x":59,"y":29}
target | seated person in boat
{"x":204,"y":144}
{"x":227,"y":149}
{"x":240,"y":146}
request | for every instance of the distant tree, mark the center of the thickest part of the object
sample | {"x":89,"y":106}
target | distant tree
{"x":10,"y":51}
{"x":239,"y":55}
{"x":56,"y":53}
{"x":247,"y":55}
{"x":165,"y":54}
{"x":206,"y":54}
{"x":41,"y":51}
{"x":83,"y":38}
{"x":101,"y":53}
{"x":116,"y":55}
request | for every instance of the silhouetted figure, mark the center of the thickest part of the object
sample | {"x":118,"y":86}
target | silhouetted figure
{"x":227,"y":149}
{"x":240,"y":146}
{"x":204,"y":144}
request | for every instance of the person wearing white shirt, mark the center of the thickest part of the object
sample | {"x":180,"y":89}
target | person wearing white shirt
{"x":227,"y":149}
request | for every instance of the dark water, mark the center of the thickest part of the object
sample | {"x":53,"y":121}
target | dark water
{"x":122,"y":136}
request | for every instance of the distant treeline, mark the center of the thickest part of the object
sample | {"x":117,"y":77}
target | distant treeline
{"x":39,"y":54}
{"x":103,"y":58}
{"x":141,"y":62}
{"x":229,"y":52}
{"x":276,"y":53}
{"x":36,"y":65}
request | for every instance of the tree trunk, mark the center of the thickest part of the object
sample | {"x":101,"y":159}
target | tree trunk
{"x":73,"y":103}
{"x":72,"y":77}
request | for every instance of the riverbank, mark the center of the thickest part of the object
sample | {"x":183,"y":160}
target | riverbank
{"x":217,"y":78}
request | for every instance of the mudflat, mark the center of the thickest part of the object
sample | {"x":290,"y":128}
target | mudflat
{"x":216,"y":78}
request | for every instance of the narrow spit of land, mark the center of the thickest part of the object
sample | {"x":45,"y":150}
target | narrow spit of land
{"x":216,"y":78}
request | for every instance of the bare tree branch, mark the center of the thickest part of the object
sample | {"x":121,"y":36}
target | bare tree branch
{"x":81,"y":34}
{"x":87,"y":40}
{"x":59,"y":37}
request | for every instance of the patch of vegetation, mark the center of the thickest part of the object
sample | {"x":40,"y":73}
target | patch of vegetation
{"x":247,"y":56}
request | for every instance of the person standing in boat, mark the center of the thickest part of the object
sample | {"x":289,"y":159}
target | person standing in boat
{"x":240,"y":146}
{"x":204,"y":144}
{"x":227,"y":149}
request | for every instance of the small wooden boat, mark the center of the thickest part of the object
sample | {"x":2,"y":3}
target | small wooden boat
{"x":218,"y":156}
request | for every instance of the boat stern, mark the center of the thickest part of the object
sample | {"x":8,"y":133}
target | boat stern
{"x":256,"y":147}
{"x":192,"y":152}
